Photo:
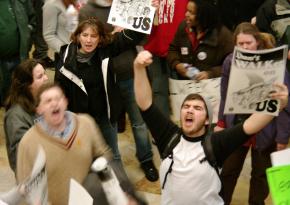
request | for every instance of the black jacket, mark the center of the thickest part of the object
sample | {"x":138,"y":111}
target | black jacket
{"x":74,"y":89}
{"x":122,"y":68}
{"x":272,"y":17}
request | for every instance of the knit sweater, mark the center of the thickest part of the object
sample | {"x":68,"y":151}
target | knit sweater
{"x":16,"y":123}
{"x":65,"y":158}
{"x":54,"y":25}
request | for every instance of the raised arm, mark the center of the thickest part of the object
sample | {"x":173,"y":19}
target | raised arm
{"x":143,"y":91}
{"x":258,"y":121}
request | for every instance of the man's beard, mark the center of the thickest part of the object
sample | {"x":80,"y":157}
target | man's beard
{"x":199,"y":127}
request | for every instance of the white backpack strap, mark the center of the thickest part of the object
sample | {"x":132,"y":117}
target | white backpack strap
{"x":105,"y":63}
{"x":65,"y":53}
{"x":72,"y":77}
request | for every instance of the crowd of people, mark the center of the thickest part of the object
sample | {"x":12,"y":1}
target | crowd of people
{"x":102,"y":70}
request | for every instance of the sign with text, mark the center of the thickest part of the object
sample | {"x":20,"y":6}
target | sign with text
{"x":135,"y":15}
{"x":251,"y":80}
{"x":279,"y":183}
{"x":78,"y":194}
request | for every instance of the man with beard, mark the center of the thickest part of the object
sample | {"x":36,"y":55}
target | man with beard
{"x":187,"y":174}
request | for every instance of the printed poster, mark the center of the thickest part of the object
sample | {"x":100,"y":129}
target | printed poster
{"x":33,"y":189}
{"x":78,"y":194}
{"x":135,"y":15}
{"x":251,"y":78}
{"x":280,"y":157}
{"x":279,"y":183}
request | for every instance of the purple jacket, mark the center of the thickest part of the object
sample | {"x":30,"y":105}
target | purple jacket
{"x":277,"y":131}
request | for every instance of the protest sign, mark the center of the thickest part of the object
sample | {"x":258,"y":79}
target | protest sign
{"x":2,"y":203}
{"x":280,"y":157}
{"x":11,"y":197}
{"x":135,"y":15}
{"x":35,"y":187}
{"x":279,"y":182}
{"x":251,"y":78}
{"x":78,"y":194}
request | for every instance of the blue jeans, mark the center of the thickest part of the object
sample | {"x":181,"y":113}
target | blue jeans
{"x":7,"y":66}
{"x":158,"y":74}
{"x":140,"y":132}
{"x":110,"y":133}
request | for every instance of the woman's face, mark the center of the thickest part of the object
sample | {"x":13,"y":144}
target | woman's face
{"x":247,"y":41}
{"x":39,"y":78}
{"x":89,"y":40}
{"x":190,"y":14}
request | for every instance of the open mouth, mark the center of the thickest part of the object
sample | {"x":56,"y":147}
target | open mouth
{"x":188,"y":21}
{"x":188,"y":121}
{"x":88,"y":47}
{"x":55,"y":111}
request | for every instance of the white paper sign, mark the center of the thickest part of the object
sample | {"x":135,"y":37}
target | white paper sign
{"x":33,"y":189}
{"x":36,"y":185}
{"x":280,"y":157}
{"x":78,"y":195}
{"x":251,"y":78}
{"x":2,"y":203}
{"x":135,"y":15}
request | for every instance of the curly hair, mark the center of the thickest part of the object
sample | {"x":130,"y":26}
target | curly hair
{"x":207,"y":14}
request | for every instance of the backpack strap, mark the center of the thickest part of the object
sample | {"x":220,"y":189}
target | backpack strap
{"x":168,"y":152}
{"x":175,"y":139}
{"x":207,"y":148}
{"x":168,"y":171}
{"x":209,"y":153}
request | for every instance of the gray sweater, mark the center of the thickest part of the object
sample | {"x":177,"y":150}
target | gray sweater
{"x":16,"y":122}
{"x":54,"y":24}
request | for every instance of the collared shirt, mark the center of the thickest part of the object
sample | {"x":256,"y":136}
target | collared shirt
{"x":70,"y":124}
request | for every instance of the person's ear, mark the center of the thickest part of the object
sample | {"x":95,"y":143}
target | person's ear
{"x":39,"y":110}
{"x":206,"y":122}
{"x":65,"y":101}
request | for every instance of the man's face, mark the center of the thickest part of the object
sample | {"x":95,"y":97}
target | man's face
{"x":52,"y":106}
{"x":193,"y":118}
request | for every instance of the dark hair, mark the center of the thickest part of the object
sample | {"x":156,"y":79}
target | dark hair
{"x":195,"y":96}
{"x":68,"y":2}
{"x":98,"y":26}
{"x":44,"y":88}
{"x":207,"y":14}
{"x":265,"y":40}
{"x":20,"y":92}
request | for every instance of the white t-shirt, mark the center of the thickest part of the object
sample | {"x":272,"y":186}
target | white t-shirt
{"x":190,"y":182}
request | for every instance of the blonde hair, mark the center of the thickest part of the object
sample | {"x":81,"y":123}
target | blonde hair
{"x":268,"y":40}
